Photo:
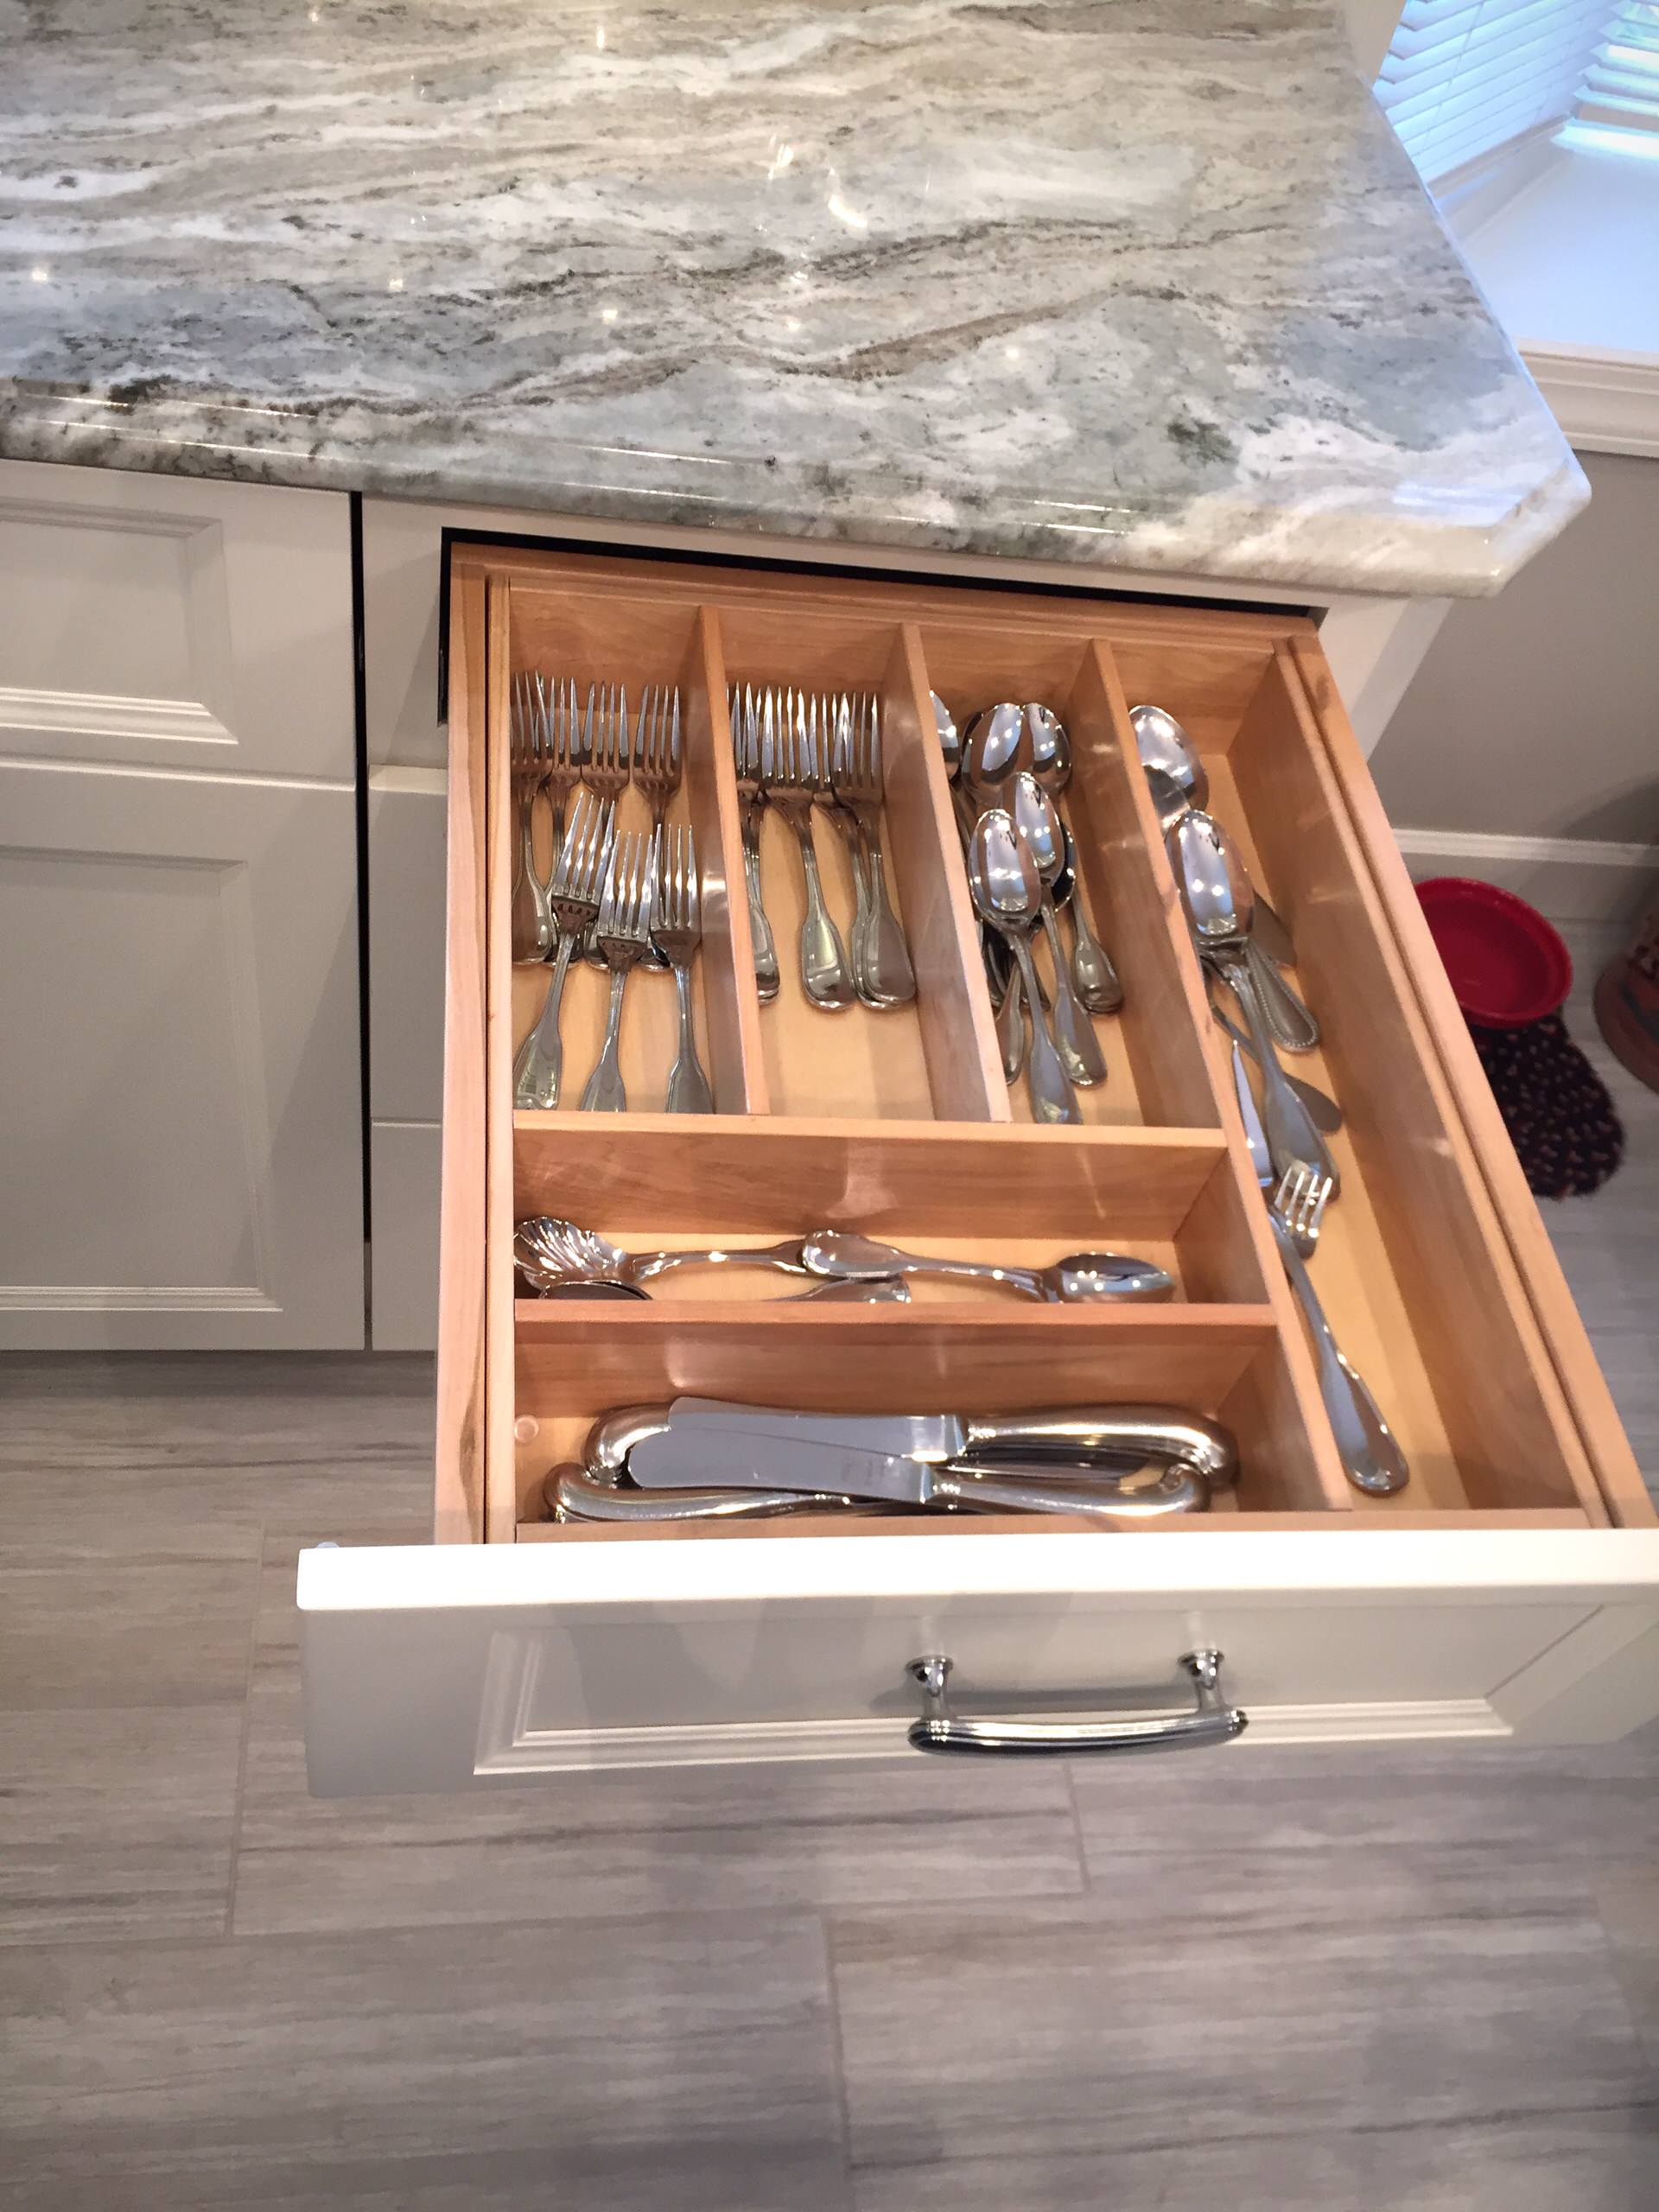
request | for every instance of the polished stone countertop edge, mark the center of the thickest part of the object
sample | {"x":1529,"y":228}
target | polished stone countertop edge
{"x":1222,"y":536}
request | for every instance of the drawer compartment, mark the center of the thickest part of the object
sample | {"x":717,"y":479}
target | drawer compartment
{"x":1502,"y":1589}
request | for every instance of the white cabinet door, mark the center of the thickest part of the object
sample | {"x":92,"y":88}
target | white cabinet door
{"x":179,"y":1100}
{"x":162,"y":622}
{"x":466,"y":1665}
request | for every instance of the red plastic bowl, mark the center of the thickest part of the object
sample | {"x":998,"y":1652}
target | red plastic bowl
{"x":1508,"y":966}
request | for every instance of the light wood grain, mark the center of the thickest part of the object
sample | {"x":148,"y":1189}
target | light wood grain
{"x":854,"y":1061}
{"x":498,"y":1045}
{"x":727,"y":960}
{"x":1471,"y":1331}
{"x":1283,"y":1398}
{"x":890,"y":1178}
{"x":875,"y":1122}
{"x":458,"y":1514}
{"x":1576,"y":1369}
{"x":953,"y":1007}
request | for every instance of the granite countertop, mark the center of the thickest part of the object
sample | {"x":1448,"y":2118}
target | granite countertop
{"x":1136,"y":284}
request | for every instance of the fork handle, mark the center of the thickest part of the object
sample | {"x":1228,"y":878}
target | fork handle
{"x":887,"y":957}
{"x":532,"y":919}
{"x":824,"y":975}
{"x":688,"y":1086}
{"x":540,"y":1065}
{"x":604,"y":1092}
{"x":1370,"y":1457}
{"x":760,"y":936}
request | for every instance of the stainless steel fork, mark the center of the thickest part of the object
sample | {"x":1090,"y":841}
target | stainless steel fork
{"x":881,"y":965}
{"x":564,"y":731}
{"x":606,"y":769}
{"x":657,"y":749}
{"x":752,"y":772}
{"x":579,"y":874}
{"x":1370,"y":1455}
{"x":531,"y":921}
{"x":624,"y":932}
{"x":676,"y":930}
{"x":825,"y":976}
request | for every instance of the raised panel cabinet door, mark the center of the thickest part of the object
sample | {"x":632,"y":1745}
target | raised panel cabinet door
{"x":180,"y":1096}
{"x":163,"y":622}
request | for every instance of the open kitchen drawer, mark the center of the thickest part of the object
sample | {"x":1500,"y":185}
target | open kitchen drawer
{"x":1512,"y":1588}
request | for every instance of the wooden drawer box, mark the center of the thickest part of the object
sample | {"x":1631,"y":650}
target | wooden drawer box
{"x":1512,"y":1588}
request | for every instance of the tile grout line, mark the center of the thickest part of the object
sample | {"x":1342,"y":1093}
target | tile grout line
{"x":1085,"y":1880}
{"x":838,"y":2051}
{"x":241,"y":1746}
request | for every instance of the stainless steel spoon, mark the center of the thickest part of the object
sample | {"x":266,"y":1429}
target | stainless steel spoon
{"x":1008,"y":893}
{"x":1038,"y":821}
{"x":996,"y":747}
{"x":1215,"y":891}
{"x":1176,"y":771}
{"x":1093,"y":975}
{"x":1082,"y":1278}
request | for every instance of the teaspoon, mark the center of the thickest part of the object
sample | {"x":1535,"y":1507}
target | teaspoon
{"x":1176,"y":771}
{"x":1092,"y":973}
{"x":1038,"y":822}
{"x":1008,"y":893}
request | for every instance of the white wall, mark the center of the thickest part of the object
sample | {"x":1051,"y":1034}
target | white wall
{"x":1536,"y":712}
{"x":1370,"y":27}
{"x":1572,"y":257}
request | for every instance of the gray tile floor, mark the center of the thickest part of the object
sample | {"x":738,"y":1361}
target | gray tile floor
{"x":1318,"y":1981}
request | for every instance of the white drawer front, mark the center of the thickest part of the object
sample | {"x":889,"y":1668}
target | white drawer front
{"x":454,"y":1667}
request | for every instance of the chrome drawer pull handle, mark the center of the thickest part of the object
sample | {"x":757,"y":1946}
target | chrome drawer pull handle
{"x":1211,"y":1721}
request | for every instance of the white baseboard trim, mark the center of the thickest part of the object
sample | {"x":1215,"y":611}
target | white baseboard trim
{"x":1605,"y":402}
{"x":1569,"y":879}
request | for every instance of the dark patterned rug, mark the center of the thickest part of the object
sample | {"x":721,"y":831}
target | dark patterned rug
{"x":1559,"y":1113}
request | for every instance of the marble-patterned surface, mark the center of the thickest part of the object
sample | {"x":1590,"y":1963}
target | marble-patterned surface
{"x":1141,"y":285}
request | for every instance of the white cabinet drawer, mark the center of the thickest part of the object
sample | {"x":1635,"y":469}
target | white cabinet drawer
{"x":1511,"y":1588}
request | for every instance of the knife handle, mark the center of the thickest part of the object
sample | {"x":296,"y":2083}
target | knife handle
{"x":1114,"y":1433}
{"x":573,"y":1495}
{"x":1149,"y":1492}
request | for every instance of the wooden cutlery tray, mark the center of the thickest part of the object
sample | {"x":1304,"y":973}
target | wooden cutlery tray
{"x":1433,"y":1263}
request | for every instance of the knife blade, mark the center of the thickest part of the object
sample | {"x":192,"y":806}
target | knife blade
{"x":1097,"y":1437}
{"x":932,"y":1437}
{"x":711,"y":1458}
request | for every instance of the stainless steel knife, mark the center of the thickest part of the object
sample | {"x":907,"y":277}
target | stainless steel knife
{"x":1106,"y":1437}
{"x":1255,"y":1136}
{"x":712,"y":1458}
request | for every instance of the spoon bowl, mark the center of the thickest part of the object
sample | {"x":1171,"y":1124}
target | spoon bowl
{"x":1215,"y":887}
{"x":944,"y":725}
{"x":1050,"y":748}
{"x":1002,"y":873}
{"x":1165,"y":746}
{"x":996,"y":747}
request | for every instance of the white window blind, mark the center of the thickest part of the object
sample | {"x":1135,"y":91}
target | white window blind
{"x":1621,"y":87}
{"x":1464,"y":77}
